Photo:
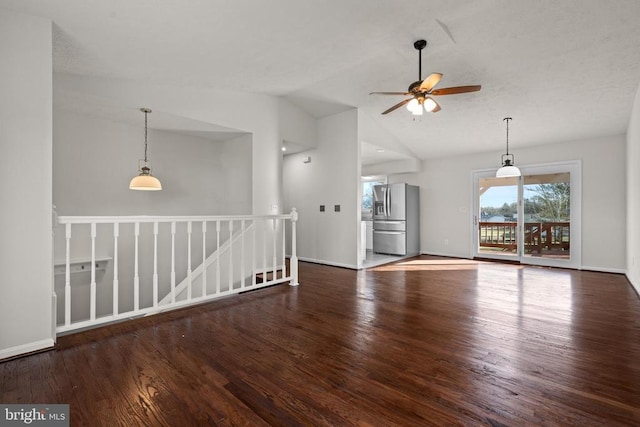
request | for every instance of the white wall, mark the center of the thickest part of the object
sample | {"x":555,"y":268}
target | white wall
{"x":25,"y":184}
{"x":223,"y":108}
{"x":633,"y":195}
{"x":94,"y":160}
{"x":445,"y":186}
{"x":331,"y":178}
{"x":297,"y":126}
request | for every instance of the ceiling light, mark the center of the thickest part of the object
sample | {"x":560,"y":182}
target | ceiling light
{"x":414,"y":106}
{"x":145,"y":181}
{"x":429,"y":104}
{"x":508,"y":168}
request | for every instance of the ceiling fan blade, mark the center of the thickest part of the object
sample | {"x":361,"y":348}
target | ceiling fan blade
{"x":430,"y":82}
{"x":398,"y":105}
{"x":389,"y":93}
{"x":456,"y":89}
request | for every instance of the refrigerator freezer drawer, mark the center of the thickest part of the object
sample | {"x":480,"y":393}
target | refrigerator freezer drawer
{"x":390,"y":242}
{"x":390,"y":225}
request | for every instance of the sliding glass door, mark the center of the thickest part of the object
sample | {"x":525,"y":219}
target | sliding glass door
{"x":533,"y":219}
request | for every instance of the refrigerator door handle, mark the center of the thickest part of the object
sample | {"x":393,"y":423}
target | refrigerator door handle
{"x":389,"y":232}
{"x":388,"y":201}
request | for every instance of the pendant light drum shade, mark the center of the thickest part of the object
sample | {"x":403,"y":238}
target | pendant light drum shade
{"x":145,"y":181}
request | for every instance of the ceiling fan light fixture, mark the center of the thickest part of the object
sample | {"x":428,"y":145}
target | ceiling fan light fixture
{"x":508,"y":169}
{"x":413,"y":106}
{"x":429,"y":104}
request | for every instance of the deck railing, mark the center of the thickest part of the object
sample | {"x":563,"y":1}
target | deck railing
{"x":114,"y":268}
{"x":538,"y":236}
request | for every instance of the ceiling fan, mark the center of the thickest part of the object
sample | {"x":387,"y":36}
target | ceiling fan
{"x":422,"y":91}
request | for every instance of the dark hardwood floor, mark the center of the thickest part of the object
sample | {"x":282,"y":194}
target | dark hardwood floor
{"x":427,"y":341}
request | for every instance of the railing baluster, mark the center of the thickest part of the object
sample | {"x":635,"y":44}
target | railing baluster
{"x":294,"y":256}
{"x":243,"y":257}
{"x":204,"y":258}
{"x":253,"y":253}
{"x":155,"y":264}
{"x":173,"y":262}
{"x":116,"y":233}
{"x":67,"y":277}
{"x":284,"y":249}
{"x":136,"y":277}
{"x":275,"y":260}
{"x":189,"y":276}
{"x":230,"y":255}
{"x":217,"y":257}
{"x":264,"y":250}
{"x":92,"y":308}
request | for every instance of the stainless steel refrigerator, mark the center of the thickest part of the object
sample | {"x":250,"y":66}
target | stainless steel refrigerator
{"x":396,"y":219}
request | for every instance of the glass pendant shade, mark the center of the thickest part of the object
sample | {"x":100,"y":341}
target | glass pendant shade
{"x":507,"y":170}
{"x":429,"y":104}
{"x":414,"y":106}
{"x":145,"y":181}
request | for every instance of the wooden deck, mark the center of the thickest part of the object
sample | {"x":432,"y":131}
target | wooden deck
{"x":426,"y":341}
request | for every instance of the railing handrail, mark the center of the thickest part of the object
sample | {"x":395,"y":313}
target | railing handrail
{"x":66,"y":219}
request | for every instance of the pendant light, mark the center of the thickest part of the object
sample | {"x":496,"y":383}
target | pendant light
{"x":508,"y":168}
{"x":145,"y":181}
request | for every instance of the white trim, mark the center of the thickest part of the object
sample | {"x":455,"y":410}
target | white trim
{"x":603,"y":269}
{"x":18,"y":350}
{"x":446,"y":255}
{"x":333,"y":264}
{"x":160,"y":218}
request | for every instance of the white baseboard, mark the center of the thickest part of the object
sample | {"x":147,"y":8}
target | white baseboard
{"x":333,"y":264}
{"x":445,"y":255}
{"x":603,"y":269}
{"x":26,"y":348}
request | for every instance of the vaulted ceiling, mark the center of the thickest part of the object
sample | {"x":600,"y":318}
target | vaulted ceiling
{"x":563,"y":69}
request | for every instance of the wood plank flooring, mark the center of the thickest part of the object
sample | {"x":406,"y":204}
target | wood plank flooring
{"x":425,"y":341}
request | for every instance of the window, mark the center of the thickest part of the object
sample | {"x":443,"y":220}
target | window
{"x":367,"y":194}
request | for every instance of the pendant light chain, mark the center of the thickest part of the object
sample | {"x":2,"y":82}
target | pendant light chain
{"x":507,"y":120}
{"x":145,"y":136}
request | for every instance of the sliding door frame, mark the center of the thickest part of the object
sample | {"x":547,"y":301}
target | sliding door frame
{"x":574,"y":167}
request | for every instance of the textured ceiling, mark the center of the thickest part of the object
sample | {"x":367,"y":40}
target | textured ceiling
{"x":564,"y":70}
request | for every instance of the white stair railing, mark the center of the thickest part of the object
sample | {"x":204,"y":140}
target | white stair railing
{"x":115,"y":268}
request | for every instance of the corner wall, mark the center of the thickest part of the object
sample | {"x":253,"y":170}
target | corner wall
{"x":25,"y":184}
{"x":633,"y":195}
{"x":332,"y":177}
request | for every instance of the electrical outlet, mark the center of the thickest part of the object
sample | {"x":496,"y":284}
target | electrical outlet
{"x":446,"y":241}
